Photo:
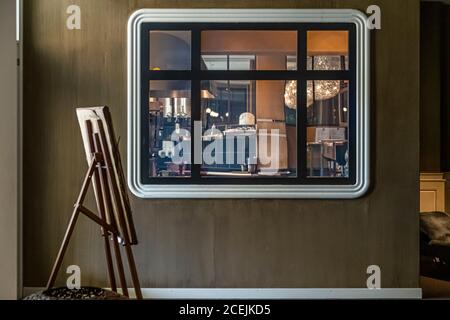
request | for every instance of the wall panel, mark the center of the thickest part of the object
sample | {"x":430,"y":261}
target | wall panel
{"x":226,"y":243}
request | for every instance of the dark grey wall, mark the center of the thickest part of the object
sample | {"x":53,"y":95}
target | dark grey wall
{"x":431,"y":72}
{"x":446,"y":88}
{"x":220,"y":243}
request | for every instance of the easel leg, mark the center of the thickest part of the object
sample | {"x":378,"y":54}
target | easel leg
{"x":109,"y":215}
{"x":123,"y":281}
{"x":100,"y":140}
{"x":62,"y":250}
{"x":73,"y":221}
{"x":98,"y":191}
{"x":129,"y":253}
{"x":105,"y":233}
{"x":112,"y":278}
{"x":133,"y":271}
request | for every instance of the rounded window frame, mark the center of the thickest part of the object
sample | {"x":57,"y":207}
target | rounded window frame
{"x":238,"y":189}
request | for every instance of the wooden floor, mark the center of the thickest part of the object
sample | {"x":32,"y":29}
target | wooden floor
{"x":434,"y":289}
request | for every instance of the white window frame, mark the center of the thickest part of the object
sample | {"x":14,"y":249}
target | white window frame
{"x":190,"y":191}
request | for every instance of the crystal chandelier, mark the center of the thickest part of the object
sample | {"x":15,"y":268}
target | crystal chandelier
{"x":290,"y":95}
{"x":327,"y":63}
{"x":316,"y":91}
{"x":322,"y":90}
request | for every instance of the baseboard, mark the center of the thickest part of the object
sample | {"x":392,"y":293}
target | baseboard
{"x":270,"y":294}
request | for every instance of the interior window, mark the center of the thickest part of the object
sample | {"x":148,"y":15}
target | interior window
{"x":248,"y":106}
{"x":170,"y":50}
{"x":328,"y":134}
{"x":234,"y":111}
{"x":249,"y":128}
{"x":327,"y":50}
{"x":169,"y":128}
{"x":249,"y":49}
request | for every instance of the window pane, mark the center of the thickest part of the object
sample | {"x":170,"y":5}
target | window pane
{"x":249,"y":128}
{"x":170,"y":126}
{"x":231,"y":62}
{"x":215,"y":62}
{"x":327,"y":133}
{"x":327,"y":50}
{"x":170,"y":50}
{"x":241,"y":62}
{"x":291,"y":63}
{"x":249,"y":49}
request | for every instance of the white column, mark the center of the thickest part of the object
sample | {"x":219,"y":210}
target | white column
{"x":9,"y":153}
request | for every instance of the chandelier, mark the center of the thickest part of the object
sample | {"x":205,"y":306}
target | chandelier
{"x":290,"y":95}
{"x":316,"y":91}
{"x":322,"y":90}
{"x":327,"y":63}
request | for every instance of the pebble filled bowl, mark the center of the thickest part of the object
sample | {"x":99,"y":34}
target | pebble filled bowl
{"x":85,"y":293}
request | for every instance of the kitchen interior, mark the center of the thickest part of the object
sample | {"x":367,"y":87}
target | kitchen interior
{"x":254,"y":111}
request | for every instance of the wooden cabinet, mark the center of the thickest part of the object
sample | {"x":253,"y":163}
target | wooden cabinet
{"x":434,"y":192}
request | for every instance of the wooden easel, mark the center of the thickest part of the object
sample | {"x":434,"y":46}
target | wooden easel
{"x":106,"y":176}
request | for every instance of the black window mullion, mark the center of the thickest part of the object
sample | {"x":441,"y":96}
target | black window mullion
{"x":168,"y":75}
{"x":326,"y":75}
{"x":195,"y":97}
{"x":249,"y":75}
{"x":352,"y":103}
{"x":274,"y":75}
{"x":302,"y":56}
{"x":145,"y":103}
